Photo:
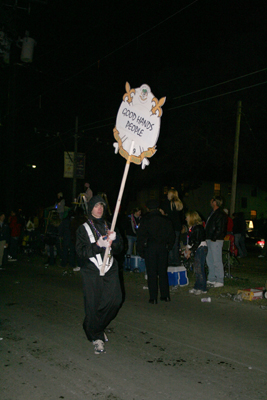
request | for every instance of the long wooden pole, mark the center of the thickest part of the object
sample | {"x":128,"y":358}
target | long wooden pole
{"x":235,"y":163}
{"x":116,"y":212}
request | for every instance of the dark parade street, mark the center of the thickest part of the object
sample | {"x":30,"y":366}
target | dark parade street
{"x":177,"y":90}
{"x":185,"y":349}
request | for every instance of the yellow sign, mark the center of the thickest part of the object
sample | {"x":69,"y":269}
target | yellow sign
{"x":69,"y":162}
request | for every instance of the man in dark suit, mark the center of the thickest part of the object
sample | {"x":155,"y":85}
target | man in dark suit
{"x":155,"y":238}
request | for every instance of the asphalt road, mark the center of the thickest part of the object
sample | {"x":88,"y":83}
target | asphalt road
{"x":182,"y":350}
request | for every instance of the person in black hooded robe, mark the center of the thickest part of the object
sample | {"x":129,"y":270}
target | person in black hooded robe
{"x":102,"y":294}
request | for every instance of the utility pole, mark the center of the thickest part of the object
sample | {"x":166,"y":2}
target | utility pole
{"x":235,"y":163}
{"x":10,"y":134}
{"x":75,"y":160}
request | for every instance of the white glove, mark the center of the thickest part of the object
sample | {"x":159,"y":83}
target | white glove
{"x":103,"y":242}
{"x":112,"y":236}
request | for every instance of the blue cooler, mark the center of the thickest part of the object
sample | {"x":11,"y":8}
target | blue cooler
{"x":177,"y":276}
{"x":134,"y":263}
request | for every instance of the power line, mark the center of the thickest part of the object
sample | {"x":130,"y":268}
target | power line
{"x":132,"y":40}
{"x":69,"y":132}
{"x":96,"y":122}
{"x":138,"y":37}
{"x":219,"y":95}
{"x":111,"y":53}
{"x":187,"y":104}
{"x":79,"y":36}
{"x":222,"y":83}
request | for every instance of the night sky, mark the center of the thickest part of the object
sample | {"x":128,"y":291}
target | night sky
{"x":203,"y":55}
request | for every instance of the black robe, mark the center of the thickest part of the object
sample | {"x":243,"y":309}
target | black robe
{"x":102,"y":294}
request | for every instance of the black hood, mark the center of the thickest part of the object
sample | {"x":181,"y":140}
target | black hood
{"x":94,"y":200}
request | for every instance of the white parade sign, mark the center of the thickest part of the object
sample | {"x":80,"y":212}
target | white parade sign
{"x":136,"y":132}
{"x":138,"y":121}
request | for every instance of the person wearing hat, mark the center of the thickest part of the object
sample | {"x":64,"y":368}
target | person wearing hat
{"x":102,"y":294}
{"x":155,"y":237}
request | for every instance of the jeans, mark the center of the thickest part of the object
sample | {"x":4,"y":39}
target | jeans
{"x":199,"y":268}
{"x":214,"y":261}
{"x":174,"y":254}
{"x":131,"y":241}
{"x":52,"y":256}
{"x":240,"y":244}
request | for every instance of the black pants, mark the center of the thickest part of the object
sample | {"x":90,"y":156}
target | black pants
{"x":102,"y":299}
{"x":156,"y":258}
{"x":68,"y":254}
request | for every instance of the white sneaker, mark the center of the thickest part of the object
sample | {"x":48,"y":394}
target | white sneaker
{"x":76,"y":269}
{"x":197,"y":292}
{"x":210,"y":283}
{"x":99,"y":346}
{"x":218,"y":284}
{"x":260,"y":256}
{"x":192,"y":291}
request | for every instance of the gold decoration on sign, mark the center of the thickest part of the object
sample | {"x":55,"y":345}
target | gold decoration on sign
{"x":158,"y":105}
{"x":136,"y":160}
{"x":128,"y":93}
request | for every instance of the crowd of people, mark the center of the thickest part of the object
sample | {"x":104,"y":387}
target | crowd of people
{"x":50,"y":234}
{"x":164,"y":236}
{"x":158,"y":241}
{"x":13,"y":230}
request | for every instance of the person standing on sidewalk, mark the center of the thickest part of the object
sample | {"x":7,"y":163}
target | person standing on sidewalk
{"x":173,"y":208}
{"x":52,"y":239}
{"x":15,"y":230}
{"x":197,"y":247}
{"x":131,"y":226}
{"x":263,"y":233}
{"x":4,"y":237}
{"x":155,"y":238}
{"x":102,"y":294}
{"x":239,"y":231}
{"x":60,"y":205}
{"x":78,"y":219}
{"x":216,"y":228}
